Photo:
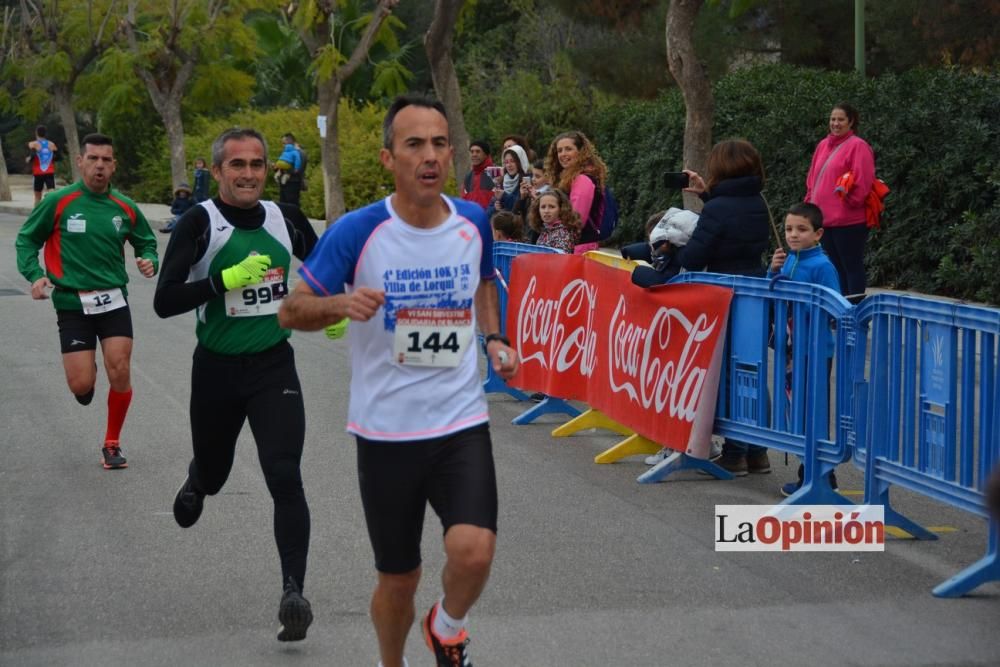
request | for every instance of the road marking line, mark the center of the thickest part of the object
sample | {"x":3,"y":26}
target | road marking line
{"x":901,"y":534}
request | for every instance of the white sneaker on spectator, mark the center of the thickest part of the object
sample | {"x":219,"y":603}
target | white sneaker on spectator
{"x":714,"y":453}
{"x":653,"y":459}
{"x":716,"y":450}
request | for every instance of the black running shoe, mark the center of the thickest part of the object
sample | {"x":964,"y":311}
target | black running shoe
{"x":188,"y":504}
{"x":85,"y":399}
{"x":453,"y":653}
{"x":112,"y":456}
{"x":294,"y":614}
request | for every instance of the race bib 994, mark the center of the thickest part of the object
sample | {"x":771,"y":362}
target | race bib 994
{"x":264,"y":298}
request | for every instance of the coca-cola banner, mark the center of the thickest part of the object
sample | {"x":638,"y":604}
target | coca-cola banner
{"x":647,"y":358}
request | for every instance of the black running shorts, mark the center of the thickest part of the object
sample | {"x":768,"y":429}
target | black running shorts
{"x":78,"y":331}
{"x":47,"y":181}
{"x":454,"y":473}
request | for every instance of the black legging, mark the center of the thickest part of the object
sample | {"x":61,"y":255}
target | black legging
{"x":290,"y":192}
{"x":845,"y":246}
{"x":264,"y":388}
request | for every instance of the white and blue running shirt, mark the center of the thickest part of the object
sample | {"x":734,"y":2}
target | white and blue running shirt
{"x":439,"y":269}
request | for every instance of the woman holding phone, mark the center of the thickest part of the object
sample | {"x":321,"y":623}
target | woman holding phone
{"x":733,"y":228}
{"x":731,"y":237}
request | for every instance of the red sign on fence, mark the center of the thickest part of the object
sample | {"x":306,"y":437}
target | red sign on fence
{"x":649,"y":359}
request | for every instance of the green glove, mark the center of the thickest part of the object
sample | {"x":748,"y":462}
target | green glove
{"x":335,"y":331}
{"x":248,"y":272}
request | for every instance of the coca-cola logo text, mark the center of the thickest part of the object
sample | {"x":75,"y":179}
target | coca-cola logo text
{"x":541,"y":328}
{"x":639,"y":366}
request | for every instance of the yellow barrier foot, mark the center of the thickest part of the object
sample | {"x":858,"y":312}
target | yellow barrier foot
{"x":630,"y":446}
{"x":591,"y":419}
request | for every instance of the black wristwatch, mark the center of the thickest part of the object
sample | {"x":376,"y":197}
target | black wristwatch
{"x":497,"y":336}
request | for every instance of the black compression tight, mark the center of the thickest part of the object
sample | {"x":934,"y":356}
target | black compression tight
{"x":264,"y":389}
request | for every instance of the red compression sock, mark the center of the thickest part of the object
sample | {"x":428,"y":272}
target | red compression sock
{"x":118,"y":402}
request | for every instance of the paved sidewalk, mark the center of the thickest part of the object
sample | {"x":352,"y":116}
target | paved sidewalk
{"x":23,"y":200}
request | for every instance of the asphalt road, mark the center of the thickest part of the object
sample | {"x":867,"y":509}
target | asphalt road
{"x":592,"y":568}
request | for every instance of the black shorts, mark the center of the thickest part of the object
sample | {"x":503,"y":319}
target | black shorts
{"x":78,"y":331}
{"x":454,"y":473}
{"x":45,"y":181}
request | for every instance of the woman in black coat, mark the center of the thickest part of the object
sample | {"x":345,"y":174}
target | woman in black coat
{"x":731,"y":237}
{"x":732,"y":232}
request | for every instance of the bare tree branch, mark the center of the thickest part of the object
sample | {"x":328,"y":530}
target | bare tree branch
{"x":315,"y":37}
{"x":104,"y":23}
{"x":360,"y":53}
{"x":6,"y":48}
{"x":214,"y":9}
{"x":129,"y":25}
{"x":438,"y":42}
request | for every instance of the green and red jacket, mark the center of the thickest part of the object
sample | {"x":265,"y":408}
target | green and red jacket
{"x":84,"y":235}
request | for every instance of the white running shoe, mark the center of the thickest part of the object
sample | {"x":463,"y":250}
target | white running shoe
{"x":653,"y":459}
{"x":716,"y":450}
{"x":714,"y":453}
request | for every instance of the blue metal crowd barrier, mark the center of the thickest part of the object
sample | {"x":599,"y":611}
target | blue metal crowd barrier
{"x":912,"y":383}
{"x":929,"y":412}
{"x":775,"y":386}
{"x":504,"y":253}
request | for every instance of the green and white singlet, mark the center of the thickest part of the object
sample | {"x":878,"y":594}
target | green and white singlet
{"x":244,"y":321}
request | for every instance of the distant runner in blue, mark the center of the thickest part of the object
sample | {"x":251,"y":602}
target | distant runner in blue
{"x":43,"y":163}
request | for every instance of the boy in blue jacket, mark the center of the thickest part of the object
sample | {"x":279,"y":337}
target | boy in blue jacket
{"x":807,"y":263}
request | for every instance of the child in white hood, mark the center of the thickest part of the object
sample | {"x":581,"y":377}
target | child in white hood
{"x":672,"y":232}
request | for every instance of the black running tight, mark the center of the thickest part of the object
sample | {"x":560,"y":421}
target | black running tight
{"x":264,"y":389}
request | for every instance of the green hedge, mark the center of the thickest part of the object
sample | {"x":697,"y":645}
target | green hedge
{"x":364,"y":179}
{"x":936,"y":141}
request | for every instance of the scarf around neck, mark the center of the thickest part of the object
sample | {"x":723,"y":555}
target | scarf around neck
{"x":510,"y":183}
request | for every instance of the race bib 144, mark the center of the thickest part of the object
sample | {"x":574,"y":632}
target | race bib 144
{"x":432,"y":336}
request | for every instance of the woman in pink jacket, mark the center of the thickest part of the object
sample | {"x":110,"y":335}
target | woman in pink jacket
{"x":839,"y":180}
{"x":573,"y":166}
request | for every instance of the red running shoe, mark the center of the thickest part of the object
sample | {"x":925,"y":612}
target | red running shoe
{"x":451,"y":653}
